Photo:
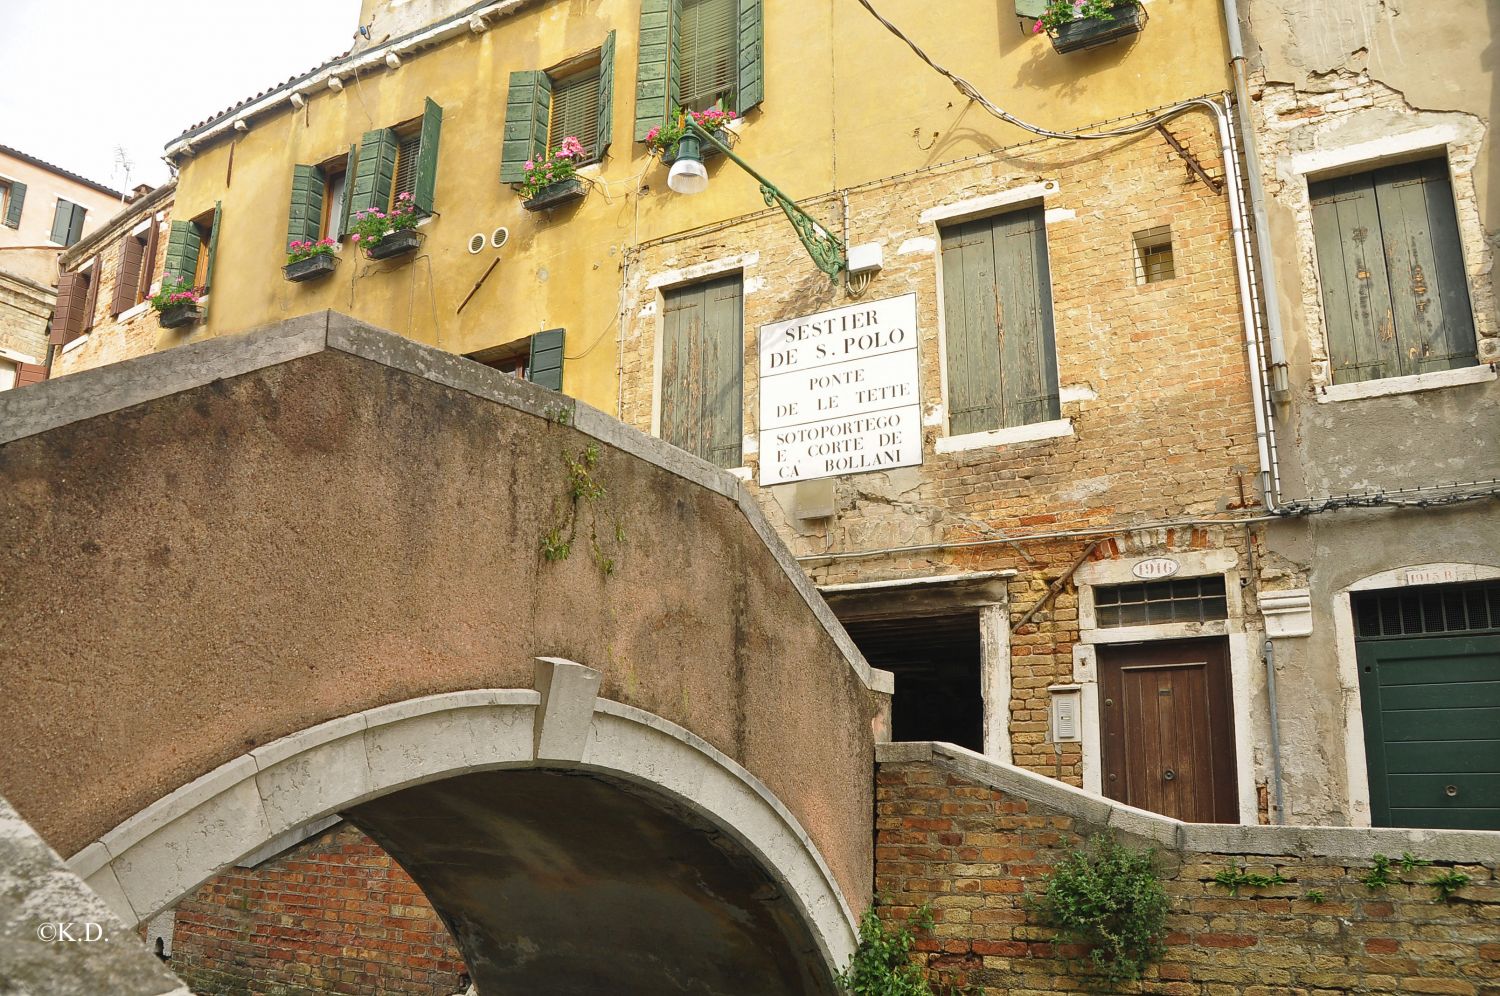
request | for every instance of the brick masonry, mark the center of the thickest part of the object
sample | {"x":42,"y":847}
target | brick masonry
{"x":335,"y":914}
{"x":975,"y":853}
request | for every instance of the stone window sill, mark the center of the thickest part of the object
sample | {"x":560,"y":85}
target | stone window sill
{"x":73,"y":344}
{"x":1004,"y":437}
{"x":1406,"y":385}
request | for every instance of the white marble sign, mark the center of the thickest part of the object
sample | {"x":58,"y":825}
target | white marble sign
{"x":839,"y":393}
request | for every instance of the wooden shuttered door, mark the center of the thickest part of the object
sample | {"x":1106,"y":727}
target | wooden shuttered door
{"x":708,"y":40}
{"x":575,"y":112}
{"x":67,"y":316}
{"x":424,"y":182}
{"x":128,"y":274}
{"x":15,"y":204}
{"x":305,"y":217}
{"x":702,"y":375}
{"x":997,"y":299}
{"x":527,"y":109}
{"x":544,"y":366}
{"x":1395,"y":295}
{"x":375,"y":172}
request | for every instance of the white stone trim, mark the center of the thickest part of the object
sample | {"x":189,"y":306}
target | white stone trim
{"x":702,"y":271}
{"x":137,"y":309}
{"x":73,"y":344}
{"x":743,"y":473}
{"x":156,"y":857}
{"x":973,"y":207}
{"x":1054,"y":429}
{"x":1481,"y":374}
{"x":1356,"y":767}
{"x":1357,"y":158}
{"x":1287,"y":613}
{"x":16,"y":356}
{"x":995,"y":680}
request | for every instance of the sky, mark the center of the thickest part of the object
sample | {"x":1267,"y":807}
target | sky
{"x":81,"y":78}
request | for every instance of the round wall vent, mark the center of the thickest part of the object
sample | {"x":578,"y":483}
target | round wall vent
{"x":499,"y":237}
{"x":476,"y":243}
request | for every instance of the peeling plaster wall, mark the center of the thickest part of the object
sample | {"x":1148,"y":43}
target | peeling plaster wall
{"x":1335,"y":85}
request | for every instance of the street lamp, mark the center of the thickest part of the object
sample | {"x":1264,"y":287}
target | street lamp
{"x":689,"y":177}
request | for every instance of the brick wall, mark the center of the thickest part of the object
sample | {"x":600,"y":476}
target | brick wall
{"x":974,"y":851}
{"x":333,"y":915}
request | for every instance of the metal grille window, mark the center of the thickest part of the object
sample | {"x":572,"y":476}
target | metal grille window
{"x":407,"y":149}
{"x":709,"y":43}
{"x":575,"y":111}
{"x":1149,"y":603}
{"x":1445,"y":608}
{"x":1153,"y":255}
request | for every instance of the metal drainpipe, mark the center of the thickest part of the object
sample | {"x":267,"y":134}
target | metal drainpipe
{"x":1269,"y":655}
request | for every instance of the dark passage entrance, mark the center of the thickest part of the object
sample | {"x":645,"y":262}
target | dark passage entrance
{"x":936,"y":663}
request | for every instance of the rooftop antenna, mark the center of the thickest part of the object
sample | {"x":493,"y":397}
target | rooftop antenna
{"x":123,"y":164}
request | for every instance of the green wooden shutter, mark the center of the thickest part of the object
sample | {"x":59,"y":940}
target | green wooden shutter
{"x":527,"y":109}
{"x":183,"y":246}
{"x":62,"y":217}
{"x":545,"y":367}
{"x":427,"y":156}
{"x":656,"y":40}
{"x":997,"y":300}
{"x":75,"y":225}
{"x":305,"y":219}
{"x":375,"y":173}
{"x":1031,"y":8}
{"x":351,"y":171}
{"x":17,"y":201}
{"x":606,"y":118}
{"x":213,"y":246}
{"x":752,"y":56}
{"x":703,"y":370}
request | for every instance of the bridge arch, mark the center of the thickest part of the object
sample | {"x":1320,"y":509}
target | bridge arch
{"x":358,"y":765}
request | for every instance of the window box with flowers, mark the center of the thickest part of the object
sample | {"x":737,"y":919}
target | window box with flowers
{"x":663,"y":139}
{"x":553,"y":180}
{"x":388,"y":234}
{"x":307,"y":260}
{"x":1076,"y":25}
{"x":177,"y":303}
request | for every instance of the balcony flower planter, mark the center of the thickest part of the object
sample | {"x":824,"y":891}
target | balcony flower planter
{"x":554,"y":194}
{"x":181,"y":315}
{"x":1091,"y":32}
{"x":395,"y":244}
{"x":310,"y":268}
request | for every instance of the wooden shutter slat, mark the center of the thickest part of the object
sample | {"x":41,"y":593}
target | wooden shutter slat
{"x":604,"y":123}
{"x":545,"y":368}
{"x":351,"y":170}
{"x":127,"y":275}
{"x":213,"y":245}
{"x":17,"y":203}
{"x":655,"y":42}
{"x":183,"y":246}
{"x":751,"y":56}
{"x":305,"y":217}
{"x":375,"y":172}
{"x":527,"y":105}
{"x":427,"y":156}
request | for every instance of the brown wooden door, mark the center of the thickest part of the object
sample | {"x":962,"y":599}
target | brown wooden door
{"x":1168,"y":733}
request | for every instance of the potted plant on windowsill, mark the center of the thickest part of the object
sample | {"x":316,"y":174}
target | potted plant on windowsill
{"x":387,"y":234}
{"x":553,"y":179}
{"x":177,"y":303}
{"x":308,"y":260}
{"x":663,"y":139}
{"x":1075,"y":25}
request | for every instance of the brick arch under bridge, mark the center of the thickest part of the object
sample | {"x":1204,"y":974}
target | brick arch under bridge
{"x":232,"y":557}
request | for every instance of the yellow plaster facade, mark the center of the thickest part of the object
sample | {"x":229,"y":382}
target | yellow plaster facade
{"x":846,"y":103}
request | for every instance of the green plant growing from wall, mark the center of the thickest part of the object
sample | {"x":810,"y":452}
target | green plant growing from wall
{"x":584,"y":490}
{"x":1110,"y":899}
{"x":1448,"y":882}
{"x":882,"y":964}
{"x":1235,"y":879}
{"x":1379,"y":875}
{"x":1316,"y":897}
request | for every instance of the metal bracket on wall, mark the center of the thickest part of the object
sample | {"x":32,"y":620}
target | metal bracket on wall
{"x":1193,"y":165}
{"x":1056,"y":586}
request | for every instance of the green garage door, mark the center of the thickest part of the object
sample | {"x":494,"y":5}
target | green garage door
{"x":1429,"y":677}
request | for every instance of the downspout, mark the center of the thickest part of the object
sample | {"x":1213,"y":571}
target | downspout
{"x":1274,"y":334}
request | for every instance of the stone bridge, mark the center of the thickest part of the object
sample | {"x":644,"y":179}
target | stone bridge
{"x":566,"y":674}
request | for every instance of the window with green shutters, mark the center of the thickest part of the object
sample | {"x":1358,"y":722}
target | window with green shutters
{"x":67,"y":222}
{"x":1395,"y":294}
{"x":696,"y":54}
{"x":15,"y":200}
{"x":702,"y":369}
{"x":997,"y":323}
{"x":391,"y":161}
{"x":544,"y":107}
{"x":538,"y":359}
{"x":191,"y":247}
